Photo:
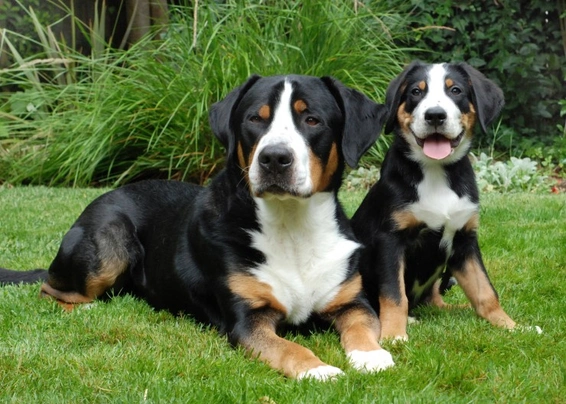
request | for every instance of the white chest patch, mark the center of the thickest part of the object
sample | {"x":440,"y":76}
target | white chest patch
{"x":307,"y":257}
{"x":439,"y":207}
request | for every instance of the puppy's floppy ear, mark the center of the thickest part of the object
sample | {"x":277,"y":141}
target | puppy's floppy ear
{"x":220,"y":115}
{"x":395,"y":92}
{"x":363,"y":120}
{"x":487,"y":97}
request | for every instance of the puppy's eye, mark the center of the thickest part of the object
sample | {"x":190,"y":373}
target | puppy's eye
{"x":456,"y":90}
{"x":416,"y":91}
{"x":255,"y":119}
{"x":312,"y":121}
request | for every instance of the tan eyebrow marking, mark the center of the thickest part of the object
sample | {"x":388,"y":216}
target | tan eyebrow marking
{"x":265,"y":112}
{"x":300,"y":106}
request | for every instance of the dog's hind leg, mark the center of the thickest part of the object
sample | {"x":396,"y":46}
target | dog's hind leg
{"x":92,"y":259}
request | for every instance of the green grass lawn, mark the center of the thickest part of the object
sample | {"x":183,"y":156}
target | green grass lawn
{"x":123,"y":351}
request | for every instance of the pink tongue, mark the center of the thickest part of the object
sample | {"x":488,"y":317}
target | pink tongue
{"x":437,"y":147}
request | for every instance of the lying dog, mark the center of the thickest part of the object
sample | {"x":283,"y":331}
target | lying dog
{"x":267,"y":242}
{"x":420,"y":221}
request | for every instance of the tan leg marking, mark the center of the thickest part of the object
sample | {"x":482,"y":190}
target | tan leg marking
{"x":358,"y":328}
{"x":437,"y":301}
{"x":478,"y":290}
{"x":285,"y":356}
{"x":394,"y":315}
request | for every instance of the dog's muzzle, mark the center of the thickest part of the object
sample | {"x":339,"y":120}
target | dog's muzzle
{"x":276,"y":173}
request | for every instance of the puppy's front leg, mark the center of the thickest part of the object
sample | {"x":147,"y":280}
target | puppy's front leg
{"x":359,"y":329}
{"x":468,"y":269}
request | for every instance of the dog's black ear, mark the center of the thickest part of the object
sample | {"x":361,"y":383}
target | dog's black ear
{"x":220,"y":115}
{"x":487,"y":97}
{"x":363,"y":120}
{"x":395,"y":92}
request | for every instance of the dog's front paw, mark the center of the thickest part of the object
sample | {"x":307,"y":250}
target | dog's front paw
{"x":323,"y":373}
{"x":527,"y":328}
{"x":371,"y":361}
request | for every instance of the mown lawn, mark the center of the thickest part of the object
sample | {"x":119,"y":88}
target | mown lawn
{"x":123,"y":351}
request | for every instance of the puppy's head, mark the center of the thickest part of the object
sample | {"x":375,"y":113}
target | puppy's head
{"x":434,"y":109}
{"x":290,"y":135}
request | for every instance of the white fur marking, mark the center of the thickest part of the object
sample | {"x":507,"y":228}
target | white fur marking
{"x":439,"y":207}
{"x":282,"y":131}
{"x":307,"y":257}
{"x":323,"y":373}
{"x":371,"y":361}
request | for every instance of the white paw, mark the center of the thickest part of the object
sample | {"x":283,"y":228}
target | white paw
{"x":412,"y":320}
{"x":371,"y":361}
{"x":323,"y":373}
{"x":528,"y":328}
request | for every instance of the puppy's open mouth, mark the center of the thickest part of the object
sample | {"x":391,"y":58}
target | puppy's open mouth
{"x":437,"y":146}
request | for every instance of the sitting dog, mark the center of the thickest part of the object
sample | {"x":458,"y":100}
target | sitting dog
{"x":266,"y":243}
{"x":420,"y":220}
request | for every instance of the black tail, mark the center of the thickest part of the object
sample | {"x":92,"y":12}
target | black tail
{"x":9,"y":277}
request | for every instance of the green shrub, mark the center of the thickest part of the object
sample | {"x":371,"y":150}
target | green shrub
{"x":120,"y":116}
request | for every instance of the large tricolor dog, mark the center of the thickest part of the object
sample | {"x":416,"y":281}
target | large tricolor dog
{"x":266,"y":243}
{"x":420,"y":221}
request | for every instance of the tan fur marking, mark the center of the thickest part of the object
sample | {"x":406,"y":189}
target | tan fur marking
{"x":468,"y":121}
{"x":288,"y":357}
{"x":449,"y":83}
{"x":256,"y":293}
{"x":437,"y":300}
{"x":422,"y":85}
{"x":241,"y":158}
{"x":436,"y":297}
{"x":405,"y":119}
{"x":347,"y":294}
{"x":481,"y":294}
{"x":405,"y":219}
{"x":359,"y":330}
{"x":321,"y":175}
{"x":299,"y":106}
{"x":264,"y":112}
{"x":105,"y":278}
{"x":473,"y":223}
{"x":394,"y":315}
{"x":63,"y":298}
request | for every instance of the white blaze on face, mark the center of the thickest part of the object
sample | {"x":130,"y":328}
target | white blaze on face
{"x":283,"y":132}
{"x":437,"y":139}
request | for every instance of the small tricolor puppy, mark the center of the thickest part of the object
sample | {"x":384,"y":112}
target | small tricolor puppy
{"x":266,"y":243}
{"x":420,"y":221}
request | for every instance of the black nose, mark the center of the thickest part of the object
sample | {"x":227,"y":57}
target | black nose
{"x":275,"y":159}
{"x":435,"y":116}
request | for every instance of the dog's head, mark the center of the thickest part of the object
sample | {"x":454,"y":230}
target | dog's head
{"x":290,"y":135}
{"x":434,"y":108}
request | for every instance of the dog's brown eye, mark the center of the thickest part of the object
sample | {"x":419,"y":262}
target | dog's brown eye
{"x":456,"y":90}
{"x":311,"y":121}
{"x":255,"y":119}
{"x":416,"y":91}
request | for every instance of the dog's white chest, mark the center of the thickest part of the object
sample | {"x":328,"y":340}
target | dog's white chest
{"x":307,"y":258}
{"x":440,"y":207}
